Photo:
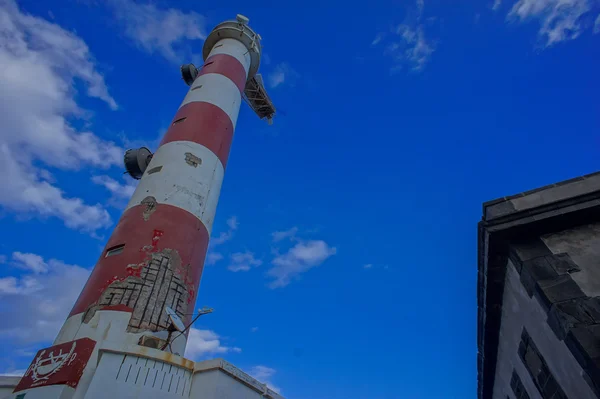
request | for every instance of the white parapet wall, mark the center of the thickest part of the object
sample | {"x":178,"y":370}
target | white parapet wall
{"x":141,"y":372}
{"x":7,"y":385}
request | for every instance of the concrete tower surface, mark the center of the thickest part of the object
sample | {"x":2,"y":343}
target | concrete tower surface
{"x":147,"y":278}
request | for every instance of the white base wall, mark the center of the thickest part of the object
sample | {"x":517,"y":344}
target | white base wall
{"x":143,"y":373}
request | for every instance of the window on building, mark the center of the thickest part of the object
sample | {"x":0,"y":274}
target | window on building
{"x":538,"y":369}
{"x":114,"y":250}
{"x":517,"y":386}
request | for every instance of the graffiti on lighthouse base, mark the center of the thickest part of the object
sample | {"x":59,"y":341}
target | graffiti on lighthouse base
{"x":59,"y":364}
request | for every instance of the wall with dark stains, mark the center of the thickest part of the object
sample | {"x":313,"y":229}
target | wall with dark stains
{"x":552,"y":289}
{"x":583,"y":246}
{"x":521,"y":310}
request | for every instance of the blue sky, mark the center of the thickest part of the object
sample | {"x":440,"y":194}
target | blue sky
{"x":343,"y":262}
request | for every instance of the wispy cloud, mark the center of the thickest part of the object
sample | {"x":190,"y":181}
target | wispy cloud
{"x":35,"y":117}
{"x":378,"y":39}
{"x":282,"y":235}
{"x":597,"y":25}
{"x":254,"y":329}
{"x":407,"y":44}
{"x":243,"y":262}
{"x":225,"y":236}
{"x":413,"y":48}
{"x":32,"y":262}
{"x":202,"y":343}
{"x":371,"y":266}
{"x":496,"y":5}
{"x":39,"y":299}
{"x":158,"y":30}
{"x":559,"y":20}
{"x":264,"y":374}
{"x":213,"y":257}
{"x":282,"y":73}
{"x":297,"y":260}
{"x":420,"y":7}
{"x":120,"y":191}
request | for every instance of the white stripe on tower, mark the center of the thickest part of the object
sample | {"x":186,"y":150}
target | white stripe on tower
{"x":189,"y":177}
{"x":233,"y":48}
{"x":216,"y":89}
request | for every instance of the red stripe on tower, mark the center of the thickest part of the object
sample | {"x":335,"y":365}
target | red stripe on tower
{"x":226,"y":65}
{"x":203,"y":123}
{"x":147,"y":238}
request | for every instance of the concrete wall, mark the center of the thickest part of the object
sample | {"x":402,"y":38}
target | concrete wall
{"x":7,"y":384}
{"x":583,"y":246}
{"x":217,"y":384}
{"x":520,"y":310}
{"x":51,"y":391}
{"x":121,"y":375}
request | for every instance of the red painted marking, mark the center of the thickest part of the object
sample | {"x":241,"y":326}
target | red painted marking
{"x":226,"y":65}
{"x":135,"y":271}
{"x":58,"y":365}
{"x":205,"y":124}
{"x":176,"y":229}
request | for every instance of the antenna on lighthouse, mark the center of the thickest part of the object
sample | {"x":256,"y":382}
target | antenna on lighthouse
{"x":177,"y":323}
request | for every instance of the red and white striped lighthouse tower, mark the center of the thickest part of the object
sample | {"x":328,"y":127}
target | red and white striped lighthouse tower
{"x":154,"y":258}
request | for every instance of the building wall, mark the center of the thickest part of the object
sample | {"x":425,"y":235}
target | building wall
{"x":583,"y":246}
{"x":520,"y":310}
{"x":7,"y":385}
{"x":216,"y":384}
{"x":131,"y":376}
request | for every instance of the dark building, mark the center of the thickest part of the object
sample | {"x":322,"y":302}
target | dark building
{"x":538,"y":293}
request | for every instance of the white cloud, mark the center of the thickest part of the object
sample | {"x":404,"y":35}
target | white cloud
{"x":264,"y":374}
{"x":597,"y":25}
{"x":496,"y":5}
{"x":243,"y":262}
{"x":32,"y":262}
{"x":162,"y":31}
{"x":413,"y":47}
{"x":420,"y":7}
{"x":254,"y":329}
{"x":559,"y":19}
{"x":10,"y":285}
{"x":282,"y":73}
{"x":41,"y":64}
{"x":297,"y":260}
{"x":37,"y":304}
{"x":276,"y":78}
{"x":233,"y":223}
{"x":205,"y":342}
{"x":23,"y":191}
{"x":222,"y":238}
{"x":213,"y":257}
{"x":282,"y":235}
{"x":408,"y":44}
{"x":119,"y":190}
{"x":368,"y":266}
{"x":377,"y":39}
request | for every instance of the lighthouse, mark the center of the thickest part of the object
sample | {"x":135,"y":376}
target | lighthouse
{"x":127,"y":332}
